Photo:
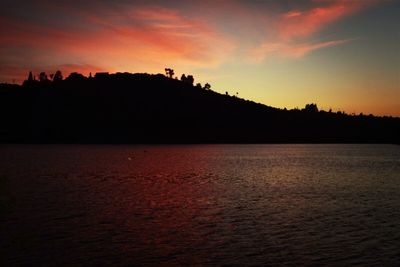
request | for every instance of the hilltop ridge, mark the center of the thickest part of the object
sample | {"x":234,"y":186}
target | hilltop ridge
{"x":156,"y":108}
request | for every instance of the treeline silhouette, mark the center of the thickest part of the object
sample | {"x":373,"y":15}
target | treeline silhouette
{"x":146,"y":108}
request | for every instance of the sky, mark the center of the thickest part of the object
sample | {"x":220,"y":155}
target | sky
{"x":341,"y":54}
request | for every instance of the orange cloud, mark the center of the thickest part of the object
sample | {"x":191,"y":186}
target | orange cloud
{"x":123,"y":40}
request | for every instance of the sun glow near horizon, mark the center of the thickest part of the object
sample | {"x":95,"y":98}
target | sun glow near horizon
{"x":282,"y":54}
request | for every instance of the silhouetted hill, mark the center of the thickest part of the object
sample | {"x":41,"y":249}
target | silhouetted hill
{"x":144,"y":108}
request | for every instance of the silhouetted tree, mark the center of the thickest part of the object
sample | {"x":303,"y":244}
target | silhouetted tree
{"x":30,"y":77}
{"x":43,"y":77}
{"x":169,"y":72}
{"x":190,"y":79}
{"x":187,"y":79}
{"x":207,"y":86}
{"x":311,"y":108}
{"x":58,"y":76}
{"x":198,"y":85}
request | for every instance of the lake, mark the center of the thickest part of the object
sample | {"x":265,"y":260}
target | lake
{"x":200,"y":205}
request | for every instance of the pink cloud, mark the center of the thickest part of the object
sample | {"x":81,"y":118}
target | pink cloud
{"x":305,"y":23}
{"x":292,"y":14}
{"x":294,"y":29}
{"x":302,"y":49}
{"x":290,"y":50}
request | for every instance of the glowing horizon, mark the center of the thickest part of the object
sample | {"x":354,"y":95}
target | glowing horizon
{"x":283,"y":54}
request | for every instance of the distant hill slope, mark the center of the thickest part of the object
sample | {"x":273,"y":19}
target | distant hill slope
{"x":144,"y":108}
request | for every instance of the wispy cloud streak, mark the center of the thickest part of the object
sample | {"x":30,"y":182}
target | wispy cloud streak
{"x":294,"y":29}
{"x":133,"y":35}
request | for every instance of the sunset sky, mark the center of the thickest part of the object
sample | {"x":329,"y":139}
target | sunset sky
{"x":340,"y":54}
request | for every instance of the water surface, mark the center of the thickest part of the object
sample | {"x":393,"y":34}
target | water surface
{"x":200,"y":205}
